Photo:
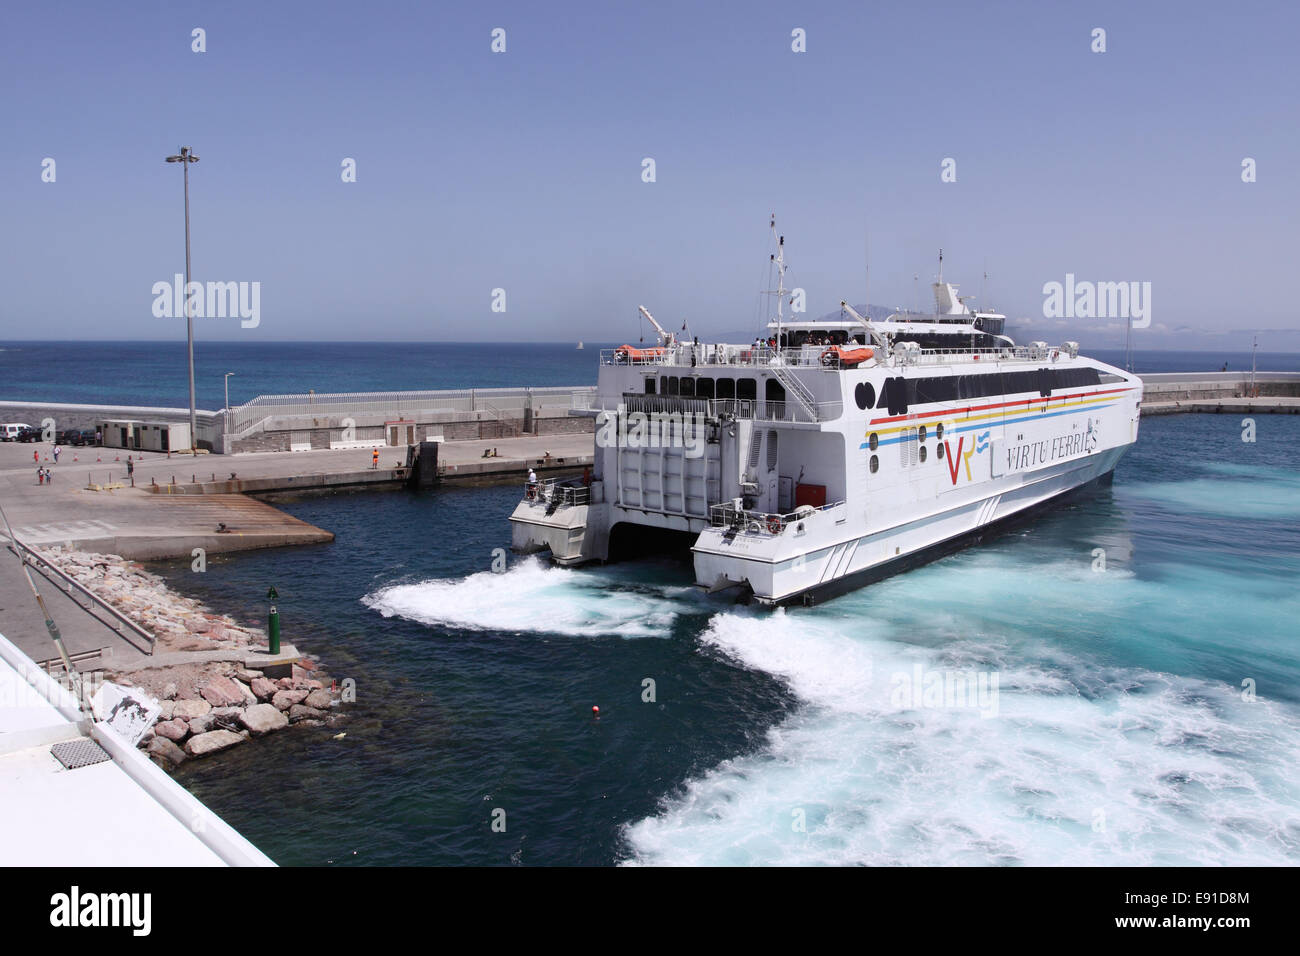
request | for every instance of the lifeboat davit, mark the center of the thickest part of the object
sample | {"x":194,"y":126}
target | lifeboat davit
{"x":626,"y":353}
{"x":846,"y":357}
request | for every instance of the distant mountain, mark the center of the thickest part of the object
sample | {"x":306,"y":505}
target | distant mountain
{"x":1094,"y":334}
{"x":1110,"y":334}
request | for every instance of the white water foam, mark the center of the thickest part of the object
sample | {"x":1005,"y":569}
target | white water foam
{"x":1083,"y":763}
{"x":535,"y":597}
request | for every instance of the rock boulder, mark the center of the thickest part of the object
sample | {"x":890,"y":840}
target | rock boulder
{"x":201,"y":725}
{"x":164,"y":749}
{"x":263,"y":718}
{"x":319,"y":699}
{"x":212,"y":742}
{"x":285,"y":699}
{"x":302,"y":712}
{"x":190,"y":708}
{"x":223,"y":692}
{"x":173,"y":730}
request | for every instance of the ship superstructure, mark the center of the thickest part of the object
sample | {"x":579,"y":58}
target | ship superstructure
{"x":830,"y":453}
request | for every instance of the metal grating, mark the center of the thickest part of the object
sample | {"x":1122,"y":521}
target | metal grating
{"x":74,"y":754}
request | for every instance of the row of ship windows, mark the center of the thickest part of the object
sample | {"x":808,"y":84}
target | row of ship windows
{"x":688,"y":386}
{"x":920,"y":434}
{"x":911,"y":446}
{"x":899,"y":392}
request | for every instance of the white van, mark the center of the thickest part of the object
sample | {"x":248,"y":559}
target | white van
{"x":9,"y":432}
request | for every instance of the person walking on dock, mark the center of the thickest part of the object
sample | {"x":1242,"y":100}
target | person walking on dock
{"x":374,"y":459}
{"x":40,"y":475}
{"x":36,"y":456}
{"x":56,"y":452}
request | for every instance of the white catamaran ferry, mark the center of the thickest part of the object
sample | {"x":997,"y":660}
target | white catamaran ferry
{"x":831,"y":453}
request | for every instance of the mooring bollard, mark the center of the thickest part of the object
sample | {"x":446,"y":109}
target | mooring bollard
{"x":273,"y":624}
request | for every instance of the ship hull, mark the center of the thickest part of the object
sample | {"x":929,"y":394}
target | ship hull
{"x":867,"y":576}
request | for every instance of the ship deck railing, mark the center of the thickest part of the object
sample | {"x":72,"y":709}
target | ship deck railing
{"x":713,"y":356}
{"x":712,"y":409}
{"x":811,"y":356}
{"x":557,"y":491}
{"x":761,"y":522}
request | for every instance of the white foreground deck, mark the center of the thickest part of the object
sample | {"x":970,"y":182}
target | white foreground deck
{"x":121,"y":812}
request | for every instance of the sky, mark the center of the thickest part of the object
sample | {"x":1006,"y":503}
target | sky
{"x":523,"y":170}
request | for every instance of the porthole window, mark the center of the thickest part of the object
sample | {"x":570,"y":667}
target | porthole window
{"x":921,"y":436}
{"x":938,"y":432}
{"x":875,"y":464}
{"x":874,"y":442}
{"x":938,"y":450}
{"x":922,"y":453}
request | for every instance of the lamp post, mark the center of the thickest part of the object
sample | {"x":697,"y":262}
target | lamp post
{"x":228,"y":374}
{"x":186,"y":156}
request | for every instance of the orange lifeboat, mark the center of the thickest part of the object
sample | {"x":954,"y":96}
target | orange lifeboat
{"x":846,"y":357}
{"x":626,"y":353}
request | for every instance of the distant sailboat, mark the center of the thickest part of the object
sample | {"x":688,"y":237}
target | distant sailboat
{"x":580,"y":346}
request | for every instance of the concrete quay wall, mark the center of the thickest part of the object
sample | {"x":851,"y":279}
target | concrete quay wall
{"x":278,"y":434}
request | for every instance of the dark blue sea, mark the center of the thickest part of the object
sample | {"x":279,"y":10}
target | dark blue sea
{"x":157,"y":373}
{"x":1143,"y":641}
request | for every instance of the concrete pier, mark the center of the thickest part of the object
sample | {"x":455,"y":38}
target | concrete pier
{"x":1232,"y":393}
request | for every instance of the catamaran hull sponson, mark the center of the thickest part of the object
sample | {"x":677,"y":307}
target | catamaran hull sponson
{"x":847,"y":565}
{"x":907,"y":562}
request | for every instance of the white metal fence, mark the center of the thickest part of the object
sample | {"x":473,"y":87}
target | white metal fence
{"x":409,"y":406}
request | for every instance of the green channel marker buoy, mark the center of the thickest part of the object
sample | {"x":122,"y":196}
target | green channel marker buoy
{"x":273,"y":623}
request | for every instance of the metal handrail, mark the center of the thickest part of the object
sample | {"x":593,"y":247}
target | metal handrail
{"x":727,"y":515}
{"x":398,"y":404}
{"x":548,"y":490}
{"x":810,"y":356}
{"x":713,"y":408}
{"x":46,"y":567}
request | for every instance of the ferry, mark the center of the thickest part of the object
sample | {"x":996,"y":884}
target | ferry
{"x":828,"y":454}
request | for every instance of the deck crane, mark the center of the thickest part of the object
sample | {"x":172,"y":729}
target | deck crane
{"x":876,"y":338}
{"x":665,"y":337}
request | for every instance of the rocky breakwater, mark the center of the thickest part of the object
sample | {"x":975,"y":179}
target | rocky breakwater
{"x":207,"y":706}
{"x":222,"y":708}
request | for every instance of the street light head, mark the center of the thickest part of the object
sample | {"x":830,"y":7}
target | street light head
{"x":174,"y":159}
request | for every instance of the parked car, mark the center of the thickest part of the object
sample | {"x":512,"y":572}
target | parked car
{"x":9,"y":431}
{"x":28,"y":433}
{"x":66,"y":436}
{"x":81,"y":436}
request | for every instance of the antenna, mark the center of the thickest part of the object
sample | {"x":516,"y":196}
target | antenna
{"x":985,"y":282}
{"x":779,"y":261}
{"x":940,"y":266}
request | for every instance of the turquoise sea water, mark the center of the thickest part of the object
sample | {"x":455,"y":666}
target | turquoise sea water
{"x":1146,"y":714}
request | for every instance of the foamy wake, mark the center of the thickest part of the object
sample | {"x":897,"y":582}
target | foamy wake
{"x":534,"y":597}
{"x":1077,"y":764}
